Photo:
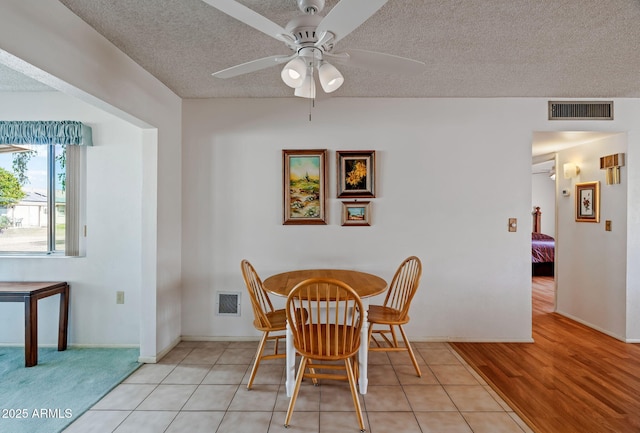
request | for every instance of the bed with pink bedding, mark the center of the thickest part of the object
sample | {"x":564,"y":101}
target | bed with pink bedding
{"x":542,"y":254}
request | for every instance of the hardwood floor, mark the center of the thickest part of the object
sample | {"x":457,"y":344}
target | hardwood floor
{"x":571,"y":379}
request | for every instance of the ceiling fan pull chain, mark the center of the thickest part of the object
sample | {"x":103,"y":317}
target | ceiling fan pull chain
{"x":312,"y":104}
{"x":312,"y":96}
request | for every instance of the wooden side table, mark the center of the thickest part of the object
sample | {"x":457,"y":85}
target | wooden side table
{"x":29,"y":293}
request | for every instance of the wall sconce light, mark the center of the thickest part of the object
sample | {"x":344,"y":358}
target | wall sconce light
{"x":612,"y":164}
{"x":570,"y":170}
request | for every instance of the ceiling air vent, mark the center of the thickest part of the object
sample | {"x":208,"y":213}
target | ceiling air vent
{"x":581,"y":110}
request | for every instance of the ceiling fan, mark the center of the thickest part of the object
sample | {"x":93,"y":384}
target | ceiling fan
{"x":312,"y":38}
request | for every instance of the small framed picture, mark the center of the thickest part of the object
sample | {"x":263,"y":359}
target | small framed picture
{"x":588,"y":202}
{"x":356,"y":173}
{"x":304,"y":184}
{"x":356,"y":213}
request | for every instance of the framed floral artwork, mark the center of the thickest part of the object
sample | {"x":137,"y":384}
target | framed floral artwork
{"x":588,"y":202}
{"x":304,"y":184}
{"x":356,"y":173}
{"x":356,"y":213}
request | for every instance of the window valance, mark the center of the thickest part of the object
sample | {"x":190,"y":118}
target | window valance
{"x":45,"y":132}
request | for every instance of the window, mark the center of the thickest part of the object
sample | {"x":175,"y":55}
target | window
{"x":33,"y":199}
{"x":40,"y":187}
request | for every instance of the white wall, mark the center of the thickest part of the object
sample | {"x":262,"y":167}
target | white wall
{"x":591,"y":262}
{"x":112,"y":262}
{"x":633,"y":239}
{"x":72,"y":57}
{"x":434,"y":199}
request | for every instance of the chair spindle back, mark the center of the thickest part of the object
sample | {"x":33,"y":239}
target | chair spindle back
{"x":404,"y":285}
{"x":325,"y":317}
{"x":260,"y":301}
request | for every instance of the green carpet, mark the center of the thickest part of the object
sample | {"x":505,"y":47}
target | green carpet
{"x":48,"y":397}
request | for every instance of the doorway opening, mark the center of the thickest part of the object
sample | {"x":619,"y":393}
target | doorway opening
{"x":552,"y":206}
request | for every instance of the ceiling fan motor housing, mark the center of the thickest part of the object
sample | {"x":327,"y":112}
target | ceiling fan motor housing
{"x":303,"y":29}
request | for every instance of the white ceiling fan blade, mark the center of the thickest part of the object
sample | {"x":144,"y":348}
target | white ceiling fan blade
{"x":252,"y":66}
{"x":378,"y":61}
{"x":347,"y":15}
{"x":250,"y":18}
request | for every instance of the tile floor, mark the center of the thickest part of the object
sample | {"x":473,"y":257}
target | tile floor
{"x":201,"y":387}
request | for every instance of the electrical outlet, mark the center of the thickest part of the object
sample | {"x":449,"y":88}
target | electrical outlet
{"x":513,"y":224}
{"x":120,"y":297}
{"x":607,"y":225}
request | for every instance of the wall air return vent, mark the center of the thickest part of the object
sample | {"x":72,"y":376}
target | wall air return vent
{"x":228,"y":304}
{"x":580,"y":110}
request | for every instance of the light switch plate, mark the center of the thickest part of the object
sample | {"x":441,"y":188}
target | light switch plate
{"x":513,"y":224}
{"x":607,"y":225}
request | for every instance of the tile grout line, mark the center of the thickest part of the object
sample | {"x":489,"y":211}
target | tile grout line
{"x":142,"y":401}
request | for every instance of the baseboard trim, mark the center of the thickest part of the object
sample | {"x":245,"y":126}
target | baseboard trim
{"x":86,"y":346}
{"x":159,"y":355}
{"x":592,"y":326}
{"x":209,"y":338}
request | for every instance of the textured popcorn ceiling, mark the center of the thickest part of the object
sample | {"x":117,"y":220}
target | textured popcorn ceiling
{"x":472,"y":48}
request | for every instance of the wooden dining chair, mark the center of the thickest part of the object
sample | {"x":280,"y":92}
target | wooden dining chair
{"x":271,"y":322}
{"x":395,"y":310}
{"x":325,"y":318}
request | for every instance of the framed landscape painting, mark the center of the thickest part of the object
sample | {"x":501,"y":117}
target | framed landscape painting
{"x":356,"y":173}
{"x":356,"y":213}
{"x":588,"y":202}
{"x":304,"y":179}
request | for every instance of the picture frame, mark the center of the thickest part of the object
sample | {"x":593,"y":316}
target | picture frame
{"x":304,"y":184}
{"x":588,"y":202}
{"x":356,"y":173}
{"x":356,"y":213}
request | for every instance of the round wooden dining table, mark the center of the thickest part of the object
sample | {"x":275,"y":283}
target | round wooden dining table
{"x":365,"y":285}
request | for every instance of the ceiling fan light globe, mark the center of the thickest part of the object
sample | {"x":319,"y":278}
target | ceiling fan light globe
{"x":308,"y":88}
{"x":330,"y":78}
{"x":294,"y":73}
